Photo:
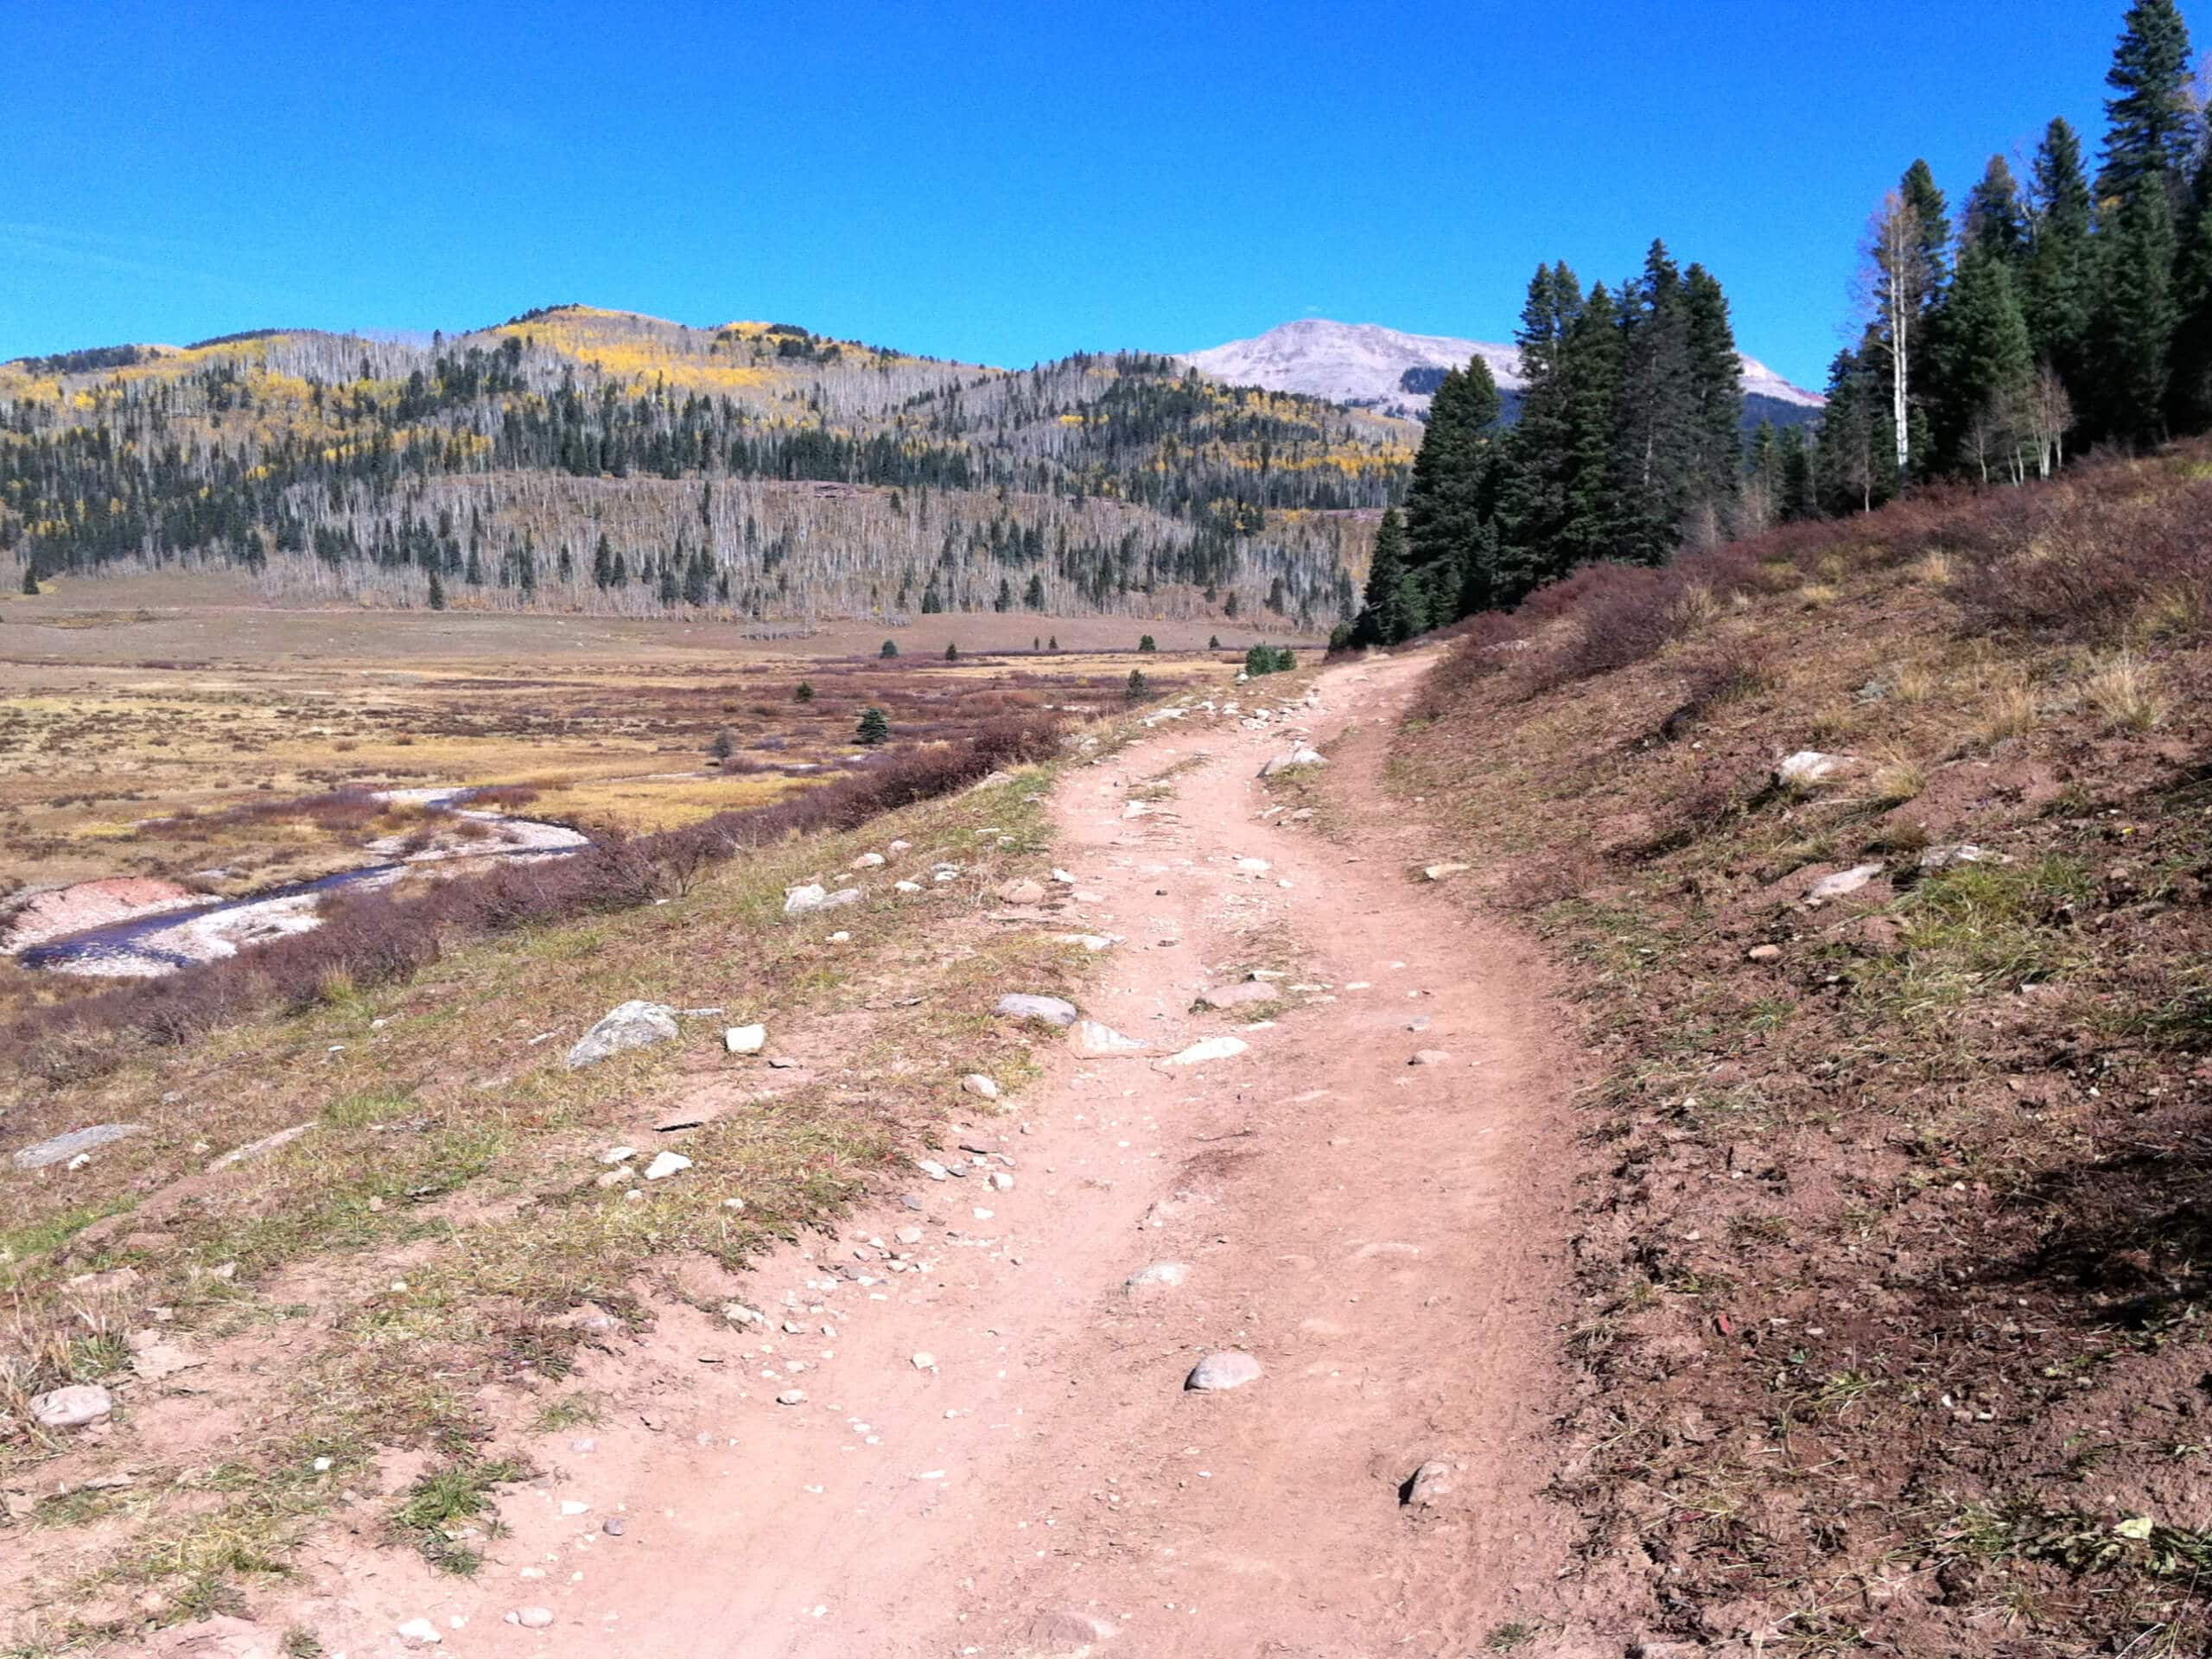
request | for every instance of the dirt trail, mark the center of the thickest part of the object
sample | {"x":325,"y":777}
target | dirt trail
{"x":1385,"y":1238}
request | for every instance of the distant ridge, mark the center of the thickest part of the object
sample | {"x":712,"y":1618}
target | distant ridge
{"x":1368,"y":366}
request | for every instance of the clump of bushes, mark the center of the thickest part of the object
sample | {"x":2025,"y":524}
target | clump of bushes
{"x":1269,"y":659}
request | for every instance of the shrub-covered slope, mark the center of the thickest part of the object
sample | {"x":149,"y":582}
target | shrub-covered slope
{"x":1895,"y":1233}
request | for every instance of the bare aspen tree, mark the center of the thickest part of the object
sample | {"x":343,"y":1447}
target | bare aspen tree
{"x":1892,"y":288}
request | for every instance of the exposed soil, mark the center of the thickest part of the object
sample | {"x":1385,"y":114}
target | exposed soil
{"x":1386,"y":1239}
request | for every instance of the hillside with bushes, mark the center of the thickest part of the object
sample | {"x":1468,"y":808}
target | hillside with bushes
{"x":1878,"y":851}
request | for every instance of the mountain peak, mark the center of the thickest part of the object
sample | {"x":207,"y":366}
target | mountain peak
{"x":1379,"y":367}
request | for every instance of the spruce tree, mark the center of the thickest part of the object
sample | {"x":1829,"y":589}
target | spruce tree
{"x":1382,"y":617}
{"x":1995,"y":221}
{"x":1595,"y":353}
{"x":437,"y":593}
{"x":1716,"y":387}
{"x":1450,"y":540}
{"x":2058,"y":287}
{"x":1138,"y":688}
{"x":803,"y":692}
{"x":1532,"y":507}
{"x":875,"y":727}
{"x":2190,"y":393}
{"x":2152,"y":127}
{"x":30,"y":580}
{"x":951,"y":653}
{"x":1933,"y":286}
{"x":890,"y":649}
{"x":1988,"y":365}
{"x":2132,"y":333}
{"x":1655,"y":437}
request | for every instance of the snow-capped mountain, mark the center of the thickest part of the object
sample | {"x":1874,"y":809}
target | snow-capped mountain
{"x":1385,"y":369}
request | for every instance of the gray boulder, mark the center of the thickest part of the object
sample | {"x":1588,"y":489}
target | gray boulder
{"x":72,"y":1407}
{"x":1227,"y":1370}
{"x":1301,"y":756}
{"x":634,"y":1025}
{"x":62,"y":1148}
{"x":1053,"y":1010}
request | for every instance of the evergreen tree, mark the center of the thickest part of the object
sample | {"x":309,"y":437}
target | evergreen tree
{"x":1854,"y":469}
{"x":1532,"y":506}
{"x":1052,"y":644}
{"x":1656,"y":431}
{"x":803,"y":692}
{"x":1148,"y":643}
{"x":1383,"y":619}
{"x":602,"y":562}
{"x":1716,"y":388}
{"x":875,"y":728}
{"x":1988,"y":365}
{"x":2152,"y":127}
{"x":1213,"y":642}
{"x":1995,"y":222}
{"x":951,"y":653}
{"x":890,"y":649}
{"x":30,"y":580}
{"x":1451,"y":503}
{"x":2189,"y":394}
{"x":2132,"y":333}
{"x":2058,"y":285}
{"x":1591,"y":362}
{"x":1800,"y":498}
{"x":437,"y":593}
{"x":1138,"y":688}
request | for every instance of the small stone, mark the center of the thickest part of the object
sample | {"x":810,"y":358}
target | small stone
{"x":531,"y":1618}
{"x":420,"y":1633}
{"x":1023,"y":891}
{"x":800,"y":899}
{"x":613,"y":1525}
{"x":1944,"y":858}
{"x":633,"y":1025}
{"x":72,"y":1407}
{"x":739,"y":1313}
{"x":924,"y":1362}
{"x":1842,"y":882}
{"x":1213,"y":1048}
{"x":906,"y":887}
{"x":665,"y":1165}
{"x":934,"y":1170}
{"x":908,"y":1235}
{"x":618,"y":1155}
{"x":573,"y":1506}
{"x":746,"y":1040}
{"x":1296,"y":756}
{"x":1431,"y":1483}
{"x":981,"y":1086}
{"x":1239,"y":996}
{"x":1097,"y":1041}
{"x":1810,"y":767}
{"x":1002,"y":1181}
{"x":792,"y":1397}
{"x":1445,"y":872}
{"x":1053,"y":1010}
{"x":868,"y":861}
{"x":1227,"y":1370}
{"x":1430,"y":1057}
{"x":1764,"y":953}
{"x":1160,"y":1275}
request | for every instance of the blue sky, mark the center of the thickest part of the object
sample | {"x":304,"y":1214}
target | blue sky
{"x":999,"y":183}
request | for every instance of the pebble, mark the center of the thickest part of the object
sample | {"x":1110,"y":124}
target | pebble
{"x":924,"y":1362}
{"x":1430,"y":1057}
{"x":1213,"y":1048}
{"x":1764,"y":953}
{"x":909,"y":1235}
{"x":1053,"y":1010}
{"x":792,"y":1397}
{"x":613,"y":1525}
{"x":531,"y":1618}
{"x":1227,"y":1369}
{"x":419,"y":1632}
{"x":746,"y":1040}
{"x":72,"y":1407}
{"x":1158,"y":1275}
{"x":977,"y":1085}
{"x":667,"y":1164}
{"x":1431,"y":1483}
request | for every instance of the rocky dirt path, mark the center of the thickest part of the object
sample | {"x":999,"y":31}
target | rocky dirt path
{"x":995,"y":1453}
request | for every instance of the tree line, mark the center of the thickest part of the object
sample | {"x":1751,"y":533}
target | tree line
{"x":2070,"y":312}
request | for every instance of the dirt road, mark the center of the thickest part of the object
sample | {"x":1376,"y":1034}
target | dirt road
{"x":996,"y":1453}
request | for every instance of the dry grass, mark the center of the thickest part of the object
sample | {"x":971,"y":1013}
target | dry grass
{"x":2122,"y":688}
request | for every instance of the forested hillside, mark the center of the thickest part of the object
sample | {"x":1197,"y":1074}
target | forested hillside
{"x":580,"y":459}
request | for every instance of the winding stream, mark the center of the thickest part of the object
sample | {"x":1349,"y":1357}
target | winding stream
{"x":163,"y":937}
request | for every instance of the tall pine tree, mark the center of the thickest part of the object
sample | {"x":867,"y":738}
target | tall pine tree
{"x":2058,"y":285}
{"x":1384,"y":619}
{"x":1994,"y":221}
{"x":1716,"y":387}
{"x":1451,"y":505}
{"x":1656,"y":429}
{"x":2152,"y":132}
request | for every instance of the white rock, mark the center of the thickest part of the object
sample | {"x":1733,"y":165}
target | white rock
{"x":934,"y":1170}
{"x":634,"y":1025}
{"x":1227,"y":1370}
{"x":1053,"y":1010}
{"x":420,"y":1633}
{"x":924,"y":1362}
{"x":800,"y":899}
{"x":977,"y":1083}
{"x":1301,"y":756}
{"x":908,"y":887}
{"x":1001,"y":1180}
{"x":667,"y":1164}
{"x":1431,"y":1484}
{"x":1843,"y":881}
{"x":1944,"y":858}
{"x":1093,"y":943}
{"x":746,"y":1040}
{"x":1213,"y":1048}
{"x":1444,"y":872}
{"x":72,"y":1407}
{"x":1092,"y":1038}
{"x":1160,"y":1275}
{"x":869,"y":861}
{"x":792,"y":1397}
{"x":1810,"y":767}
{"x":1062,"y":878}
{"x":531,"y":1618}
{"x":1430,"y":1057}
